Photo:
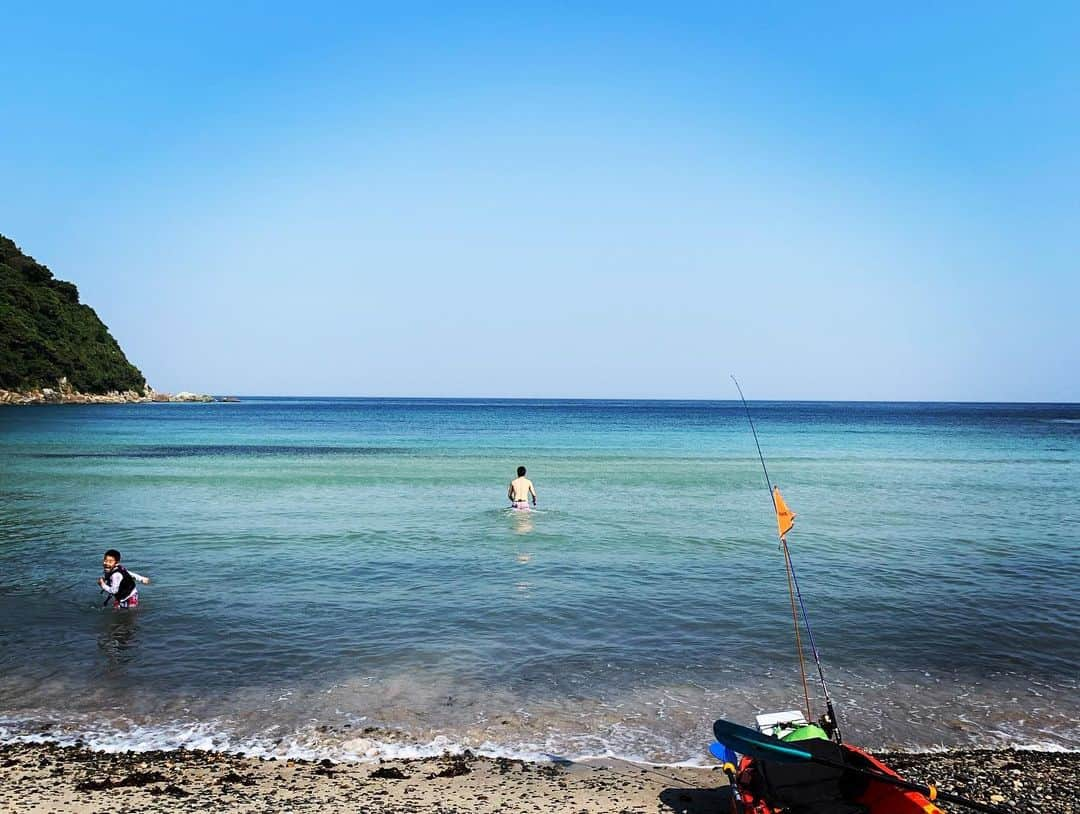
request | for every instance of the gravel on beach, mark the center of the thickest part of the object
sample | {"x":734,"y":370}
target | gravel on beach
{"x":48,"y":778}
{"x":1016,"y":780}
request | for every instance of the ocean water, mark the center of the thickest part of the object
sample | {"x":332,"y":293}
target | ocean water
{"x":341,"y":577}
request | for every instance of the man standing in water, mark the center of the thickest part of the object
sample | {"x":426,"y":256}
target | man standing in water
{"x":521,"y":490}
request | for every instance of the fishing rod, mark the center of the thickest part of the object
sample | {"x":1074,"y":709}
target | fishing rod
{"x":832,"y":723}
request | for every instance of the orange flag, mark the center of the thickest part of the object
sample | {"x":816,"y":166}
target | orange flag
{"x":785,"y":517}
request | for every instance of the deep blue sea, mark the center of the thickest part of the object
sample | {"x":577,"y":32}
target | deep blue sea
{"x":342,"y":577}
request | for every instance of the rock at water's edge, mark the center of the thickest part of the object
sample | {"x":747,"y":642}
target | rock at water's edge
{"x":63,"y":393}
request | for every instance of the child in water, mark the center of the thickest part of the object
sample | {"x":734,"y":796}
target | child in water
{"x":118,"y":582}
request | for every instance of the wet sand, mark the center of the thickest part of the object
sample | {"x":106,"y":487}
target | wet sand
{"x":48,"y":778}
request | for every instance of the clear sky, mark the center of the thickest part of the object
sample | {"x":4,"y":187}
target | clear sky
{"x":581,"y":200}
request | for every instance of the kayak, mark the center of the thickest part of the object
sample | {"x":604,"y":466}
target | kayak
{"x":767,"y":787}
{"x":793,"y":766}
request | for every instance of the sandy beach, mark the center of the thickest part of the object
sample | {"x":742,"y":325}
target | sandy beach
{"x":48,"y":778}
{"x":39,"y":778}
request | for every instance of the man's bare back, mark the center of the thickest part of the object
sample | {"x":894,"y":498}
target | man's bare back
{"x":521,"y":490}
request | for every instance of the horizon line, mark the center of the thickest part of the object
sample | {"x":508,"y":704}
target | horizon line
{"x":639,"y":398}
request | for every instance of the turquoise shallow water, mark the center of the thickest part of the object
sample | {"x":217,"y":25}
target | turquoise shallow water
{"x":341,"y":577}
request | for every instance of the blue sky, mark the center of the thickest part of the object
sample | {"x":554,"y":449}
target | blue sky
{"x":610,"y":200}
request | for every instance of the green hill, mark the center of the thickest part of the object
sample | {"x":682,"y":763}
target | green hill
{"x":46,"y":333}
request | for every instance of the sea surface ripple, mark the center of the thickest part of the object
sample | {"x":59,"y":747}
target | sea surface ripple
{"x":341,"y":578}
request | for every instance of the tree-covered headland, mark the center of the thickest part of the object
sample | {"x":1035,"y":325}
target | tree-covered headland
{"x":46,"y":334}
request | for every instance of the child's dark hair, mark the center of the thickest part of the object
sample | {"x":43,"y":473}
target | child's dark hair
{"x":521,"y":471}
{"x":112,"y":552}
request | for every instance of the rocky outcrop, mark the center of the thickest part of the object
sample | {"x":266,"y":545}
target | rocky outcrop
{"x":64,"y":393}
{"x":47,"y":395}
{"x":186,"y":396}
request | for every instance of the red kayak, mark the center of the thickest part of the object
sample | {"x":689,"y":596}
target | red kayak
{"x":765,"y":787}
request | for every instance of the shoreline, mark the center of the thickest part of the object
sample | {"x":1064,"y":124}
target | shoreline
{"x":46,"y":776}
{"x":62,"y":396}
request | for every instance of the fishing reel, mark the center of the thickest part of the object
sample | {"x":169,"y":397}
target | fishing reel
{"x":827,"y":722}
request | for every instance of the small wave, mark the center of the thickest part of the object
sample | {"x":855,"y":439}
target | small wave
{"x":372,"y":745}
{"x":362,"y":747}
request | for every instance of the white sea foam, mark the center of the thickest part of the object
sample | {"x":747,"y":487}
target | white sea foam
{"x":629,"y":745}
